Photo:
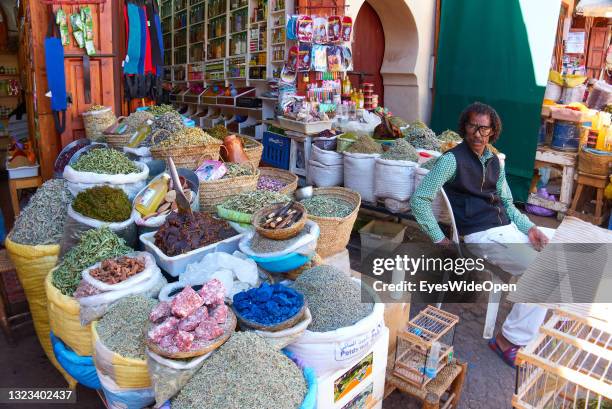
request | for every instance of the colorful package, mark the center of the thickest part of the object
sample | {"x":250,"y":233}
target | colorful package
{"x":334,"y":59}
{"x":334,"y":28}
{"x":304,"y":32}
{"x":320,"y":30}
{"x":211,"y":170}
{"x":62,"y":22}
{"x":77,"y":29}
{"x":304,"y":57}
{"x":347,"y":59}
{"x":347,"y":27}
{"x":319,"y":58}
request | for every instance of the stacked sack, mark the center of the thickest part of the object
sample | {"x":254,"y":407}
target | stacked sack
{"x":359,"y":167}
{"x":394,"y":174}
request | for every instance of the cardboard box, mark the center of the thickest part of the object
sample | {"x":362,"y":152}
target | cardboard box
{"x":359,"y":386}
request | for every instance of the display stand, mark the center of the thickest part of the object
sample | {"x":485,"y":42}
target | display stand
{"x":566,"y":162}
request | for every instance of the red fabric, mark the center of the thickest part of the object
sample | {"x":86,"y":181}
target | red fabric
{"x":148,"y":67}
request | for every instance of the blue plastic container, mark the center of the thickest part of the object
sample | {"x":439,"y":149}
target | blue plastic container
{"x":81,"y":368}
{"x":276,"y":150}
{"x":566,"y":136}
{"x":282,"y":264}
{"x":542,"y":133}
{"x":610,"y":223}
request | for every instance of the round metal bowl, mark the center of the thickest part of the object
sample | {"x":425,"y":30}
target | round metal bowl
{"x":303,"y":193}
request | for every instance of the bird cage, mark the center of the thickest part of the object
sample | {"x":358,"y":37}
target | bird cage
{"x":414,"y":345}
{"x":569,"y":365}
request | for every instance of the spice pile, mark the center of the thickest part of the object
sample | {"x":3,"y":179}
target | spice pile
{"x":105,"y":203}
{"x":364,"y":144}
{"x":450,"y":136}
{"x":401,"y":150}
{"x":121,"y":329}
{"x":327,"y":206}
{"x":269,"y":183}
{"x":65,"y":156}
{"x":105,"y":160}
{"x":247,"y":373}
{"x":334,"y":299}
{"x":422,"y":138}
{"x":218,"y":132}
{"x":182,"y":233}
{"x":158,"y":110}
{"x":234,"y":170}
{"x":251,"y":202}
{"x":282,"y":218}
{"x":186,"y":137}
{"x":136,"y":120}
{"x":262,"y":245}
{"x":95,"y":245}
{"x":42,"y":220}
{"x":268,"y":304}
{"x":117,"y":270}
{"x":191,"y":320}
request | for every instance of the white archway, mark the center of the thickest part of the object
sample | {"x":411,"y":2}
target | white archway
{"x":408,"y":55}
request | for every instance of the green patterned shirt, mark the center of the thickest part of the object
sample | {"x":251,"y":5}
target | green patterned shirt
{"x":444,"y":171}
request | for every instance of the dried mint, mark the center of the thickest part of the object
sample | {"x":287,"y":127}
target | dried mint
{"x":106,"y":161}
{"x":247,"y":373}
{"x":42,"y":220}
{"x":252,"y":202}
{"x":401,"y":150}
{"x":95,"y":245}
{"x":105,"y":203}
{"x":365,"y":144}
{"x":327,"y":206}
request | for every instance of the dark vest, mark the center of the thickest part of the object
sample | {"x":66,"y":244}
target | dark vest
{"x":473,"y":195}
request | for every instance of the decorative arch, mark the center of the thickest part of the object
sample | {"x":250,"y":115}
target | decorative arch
{"x":405,"y":68}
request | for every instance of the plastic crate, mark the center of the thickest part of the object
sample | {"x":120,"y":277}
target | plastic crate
{"x":277,"y":149}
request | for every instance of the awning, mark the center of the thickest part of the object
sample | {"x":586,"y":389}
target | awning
{"x":595,"y":8}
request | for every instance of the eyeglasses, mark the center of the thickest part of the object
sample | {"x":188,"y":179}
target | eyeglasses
{"x":483,"y":130}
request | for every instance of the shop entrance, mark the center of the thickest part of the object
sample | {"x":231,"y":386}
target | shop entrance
{"x":369,"y":49}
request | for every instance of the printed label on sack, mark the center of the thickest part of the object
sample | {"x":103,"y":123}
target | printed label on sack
{"x":354,"y":377}
{"x":356,"y":346}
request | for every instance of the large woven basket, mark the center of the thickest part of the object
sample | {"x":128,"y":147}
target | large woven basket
{"x":189,"y":157}
{"x":335,"y":231}
{"x":253,"y":150}
{"x":290,"y":179}
{"x":594,"y":164}
{"x":117,"y":140}
{"x":214,"y":192}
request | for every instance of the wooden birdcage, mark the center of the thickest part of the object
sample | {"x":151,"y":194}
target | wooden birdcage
{"x":414,"y":344}
{"x":569,"y":365}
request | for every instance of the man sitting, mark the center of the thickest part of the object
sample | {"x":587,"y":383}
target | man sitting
{"x":475,"y":183}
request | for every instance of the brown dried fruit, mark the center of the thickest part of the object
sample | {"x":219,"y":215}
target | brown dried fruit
{"x":170,"y":196}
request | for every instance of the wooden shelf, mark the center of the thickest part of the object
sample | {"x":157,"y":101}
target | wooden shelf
{"x":239,"y":8}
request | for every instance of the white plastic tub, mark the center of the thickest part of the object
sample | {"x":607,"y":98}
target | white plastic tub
{"x":177,"y":264}
{"x":307,"y":128}
{"x":22,"y":171}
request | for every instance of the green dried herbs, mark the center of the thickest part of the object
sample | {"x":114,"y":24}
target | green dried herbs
{"x":186,"y":137}
{"x":42,"y":220}
{"x":106,"y":161}
{"x":327,"y":206}
{"x":95,"y":245}
{"x":136,"y":120}
{"x":365,"y":144}
{"x":450,"y":136}
{"x":235,"y":170}
{"x":122,"y":328}
{"x":247,"y":373}
{"x":158,"y":110}
{"x":422,"y":138}
{"x":401,"y":150}
{"x":333,"y":297}
{"x":105,"y":203}
{"x":218,"y":131}
{"x":260,"y":244}
{"x":251,"y":202}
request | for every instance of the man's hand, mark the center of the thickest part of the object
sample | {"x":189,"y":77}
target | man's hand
{"x":537,"y":239}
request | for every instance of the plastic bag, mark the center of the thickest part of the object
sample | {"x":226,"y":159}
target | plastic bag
{"x":76,"y":224}
{"x":168,"y":376}
{"x":365,"y":127}
{"x":322,"y":175}
{"x":32,"y":264}
{"x":306,"y":245}
{"x":82,"y":368}
{"x":130,"y":183}
{"x":600,"y":95}
{"x":280,"y":339}
{"x":394,"y":179}
{"x":125,"y":398}
{"x":359,"y":174}
{"x":325,"y":157}
{"x":146,"y":283}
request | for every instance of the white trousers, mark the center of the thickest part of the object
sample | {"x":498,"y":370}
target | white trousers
{"x":524,"y":320}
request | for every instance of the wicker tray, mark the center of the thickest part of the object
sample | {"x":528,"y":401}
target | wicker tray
{"x":214,"y":192}
{"x":188,"y":157}
{"x":280,"y":234}
{"x":288,"y":323}
{"x":336,"y":231}
{"x":229,"y":327}
{"x":253,"y":150}
{"x":290,"y":179}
